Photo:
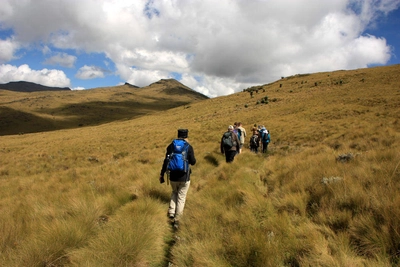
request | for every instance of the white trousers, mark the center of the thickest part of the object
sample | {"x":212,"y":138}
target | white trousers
{"x":178,"y":198}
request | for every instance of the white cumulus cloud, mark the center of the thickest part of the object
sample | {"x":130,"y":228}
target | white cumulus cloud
{"x":8,"y":49}
{"x":78,"y":88}
{"x":46,"y":77}
{"x":89,"y":72}
{"x":140,"y":77}
{"x":217,"y":47}
{"x":62,"y":59}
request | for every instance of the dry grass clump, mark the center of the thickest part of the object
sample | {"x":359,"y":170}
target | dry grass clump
{"x":325,"y":194}
{"x":136,"y":239}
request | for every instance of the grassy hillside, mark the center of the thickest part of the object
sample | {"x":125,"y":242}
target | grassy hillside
{"x":23,"y":86}
{"x":23,"y":112}
{"x":90,"y":196}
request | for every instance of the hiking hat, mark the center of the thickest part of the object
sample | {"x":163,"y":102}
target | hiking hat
{"x":230,"y":127}
{"x":183,"y":133}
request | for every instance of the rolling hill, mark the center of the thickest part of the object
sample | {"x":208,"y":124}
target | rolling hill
{"x":23,"y":86}
{"x":327,"y":193}
{"x":34,"y":109}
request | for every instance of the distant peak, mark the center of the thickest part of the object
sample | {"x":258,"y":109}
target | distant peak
{"x":174,"y":87}
{"x":131,"y":85}
{"x":169,"y":82}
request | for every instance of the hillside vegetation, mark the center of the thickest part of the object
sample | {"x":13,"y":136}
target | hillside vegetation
{"x":38,"y":111}
{"x":326,"y":194}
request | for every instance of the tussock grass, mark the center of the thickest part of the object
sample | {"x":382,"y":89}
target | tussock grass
{"x":90,"y":196}
{"x":136,"y":240}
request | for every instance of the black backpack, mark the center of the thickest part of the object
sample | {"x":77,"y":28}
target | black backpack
{"x":227,"y":140}
{"x":254,"y":140}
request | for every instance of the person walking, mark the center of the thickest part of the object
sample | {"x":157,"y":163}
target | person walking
{"x":230,"y":144}
{"x":179,"y":179}
{"x":265,"y":139}
{"x":255,"y":140}
{"x":242,"y":135}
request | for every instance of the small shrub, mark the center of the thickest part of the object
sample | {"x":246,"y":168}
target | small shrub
{"x":4,"y":173}
{"x":264,"y":100}
{"x":120,"y":155}
{"x":345,"y":157}
{"x":93,"y":159}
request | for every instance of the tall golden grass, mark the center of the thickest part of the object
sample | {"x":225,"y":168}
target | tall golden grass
{"x":90,"y":196}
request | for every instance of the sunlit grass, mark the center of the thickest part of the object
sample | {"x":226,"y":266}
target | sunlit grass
{"x":90,"y":196}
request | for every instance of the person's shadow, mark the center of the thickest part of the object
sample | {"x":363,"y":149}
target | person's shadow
{"x":160,"y":195}
{"x":212,"y":160}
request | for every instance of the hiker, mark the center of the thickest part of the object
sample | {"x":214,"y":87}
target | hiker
{"x":229,"y":144}
{"x":235,"y":128}
{"x":180,"y":179}
{"x":237,"y":132}
{"x":255,"y":140}
{"x":242,"y":134}
{"x":265,"y":139}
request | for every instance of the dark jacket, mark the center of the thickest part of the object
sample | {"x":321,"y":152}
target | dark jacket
{"x":258,"y":140}
{"x":236,"y":142}
{"x":179,"y":176}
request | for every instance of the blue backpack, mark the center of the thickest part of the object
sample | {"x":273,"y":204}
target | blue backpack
{"x":239,"y":133}
{"x":178,"y":158}
{"x":265,"y":137}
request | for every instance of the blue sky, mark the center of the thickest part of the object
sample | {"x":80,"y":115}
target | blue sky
{"x":214,"y":47}
{"x":388,"y":27}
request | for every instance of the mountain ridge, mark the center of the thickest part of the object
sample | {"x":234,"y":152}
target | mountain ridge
{"x":24,"y":86}
{"x":37,"y":111}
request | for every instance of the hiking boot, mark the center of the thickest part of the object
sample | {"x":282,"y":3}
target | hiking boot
{"x":171,"y":216}
{"x":176,"y":225}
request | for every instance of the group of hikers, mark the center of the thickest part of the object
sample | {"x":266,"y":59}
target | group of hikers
{"x":180,"y":156}
{"x":232,"y":141}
